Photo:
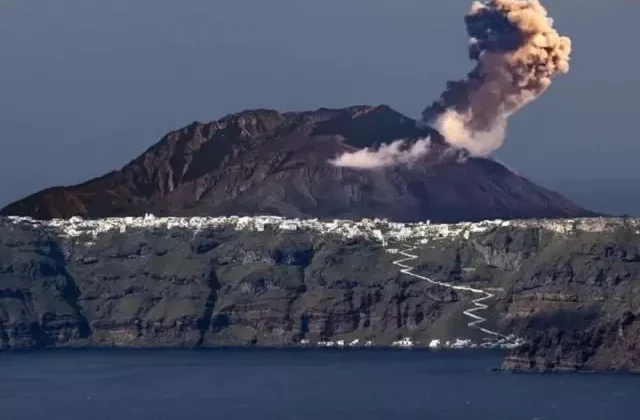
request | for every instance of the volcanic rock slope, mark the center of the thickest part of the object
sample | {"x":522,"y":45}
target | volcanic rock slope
{"x":266,"y":162}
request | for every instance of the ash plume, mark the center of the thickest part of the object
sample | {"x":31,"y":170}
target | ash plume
{"x":517,"y":52}
{"x":396,"y":153}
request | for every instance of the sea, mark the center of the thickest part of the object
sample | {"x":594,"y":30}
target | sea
{"x":310,"y":384}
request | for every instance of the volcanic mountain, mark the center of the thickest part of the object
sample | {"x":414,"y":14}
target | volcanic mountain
{"x":267,"y":162}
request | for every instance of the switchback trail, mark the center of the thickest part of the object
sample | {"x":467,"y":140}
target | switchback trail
{"x":479,"y":306}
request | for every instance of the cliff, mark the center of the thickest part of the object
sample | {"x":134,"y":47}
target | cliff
{"x":267,"y":162}
{"x":569,"y":288}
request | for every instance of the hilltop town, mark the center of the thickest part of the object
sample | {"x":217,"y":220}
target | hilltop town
{"x":381,"y":230}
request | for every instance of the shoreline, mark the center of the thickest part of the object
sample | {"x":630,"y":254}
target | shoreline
{"x":463,"y":353}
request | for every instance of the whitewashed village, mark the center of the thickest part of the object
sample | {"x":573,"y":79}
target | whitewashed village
{"x":382,"y":230}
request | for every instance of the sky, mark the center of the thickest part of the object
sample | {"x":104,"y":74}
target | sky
{"x":87,"y":85}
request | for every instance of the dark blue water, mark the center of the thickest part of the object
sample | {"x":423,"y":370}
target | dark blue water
{"x":290,"y":384}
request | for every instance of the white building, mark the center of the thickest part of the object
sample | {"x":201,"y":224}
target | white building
{"x":434,"y":344}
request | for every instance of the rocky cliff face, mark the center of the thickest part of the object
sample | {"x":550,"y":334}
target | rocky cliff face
{"x":266,"y":162}
{"x":575,"y":296}
{"x":171,"y":288}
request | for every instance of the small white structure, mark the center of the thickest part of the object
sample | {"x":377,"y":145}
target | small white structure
{"x":434,"y":344}
{"x":354,"y":343}
{"x":288,"y":225}
{"x":461,"y":344}
{"x":404,"y":343}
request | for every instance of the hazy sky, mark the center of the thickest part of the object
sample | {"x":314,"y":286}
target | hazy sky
{"x":86,"y":85}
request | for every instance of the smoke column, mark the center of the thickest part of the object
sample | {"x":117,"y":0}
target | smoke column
{"x":517,"y":52}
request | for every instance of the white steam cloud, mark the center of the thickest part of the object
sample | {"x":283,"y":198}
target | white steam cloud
{"x":392,"y":154}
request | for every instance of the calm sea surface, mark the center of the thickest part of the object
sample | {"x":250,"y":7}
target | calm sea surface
{"x":299,"y":384}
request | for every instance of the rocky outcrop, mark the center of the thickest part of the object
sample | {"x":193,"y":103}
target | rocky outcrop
{"x":607,"y":345}
{"x":572,"y":294}
{"x":266,"y":162}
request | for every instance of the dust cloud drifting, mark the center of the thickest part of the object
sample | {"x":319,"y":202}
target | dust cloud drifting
{"x":517,"y":52}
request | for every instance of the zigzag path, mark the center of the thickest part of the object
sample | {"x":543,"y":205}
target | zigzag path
{"x":477,"y":320}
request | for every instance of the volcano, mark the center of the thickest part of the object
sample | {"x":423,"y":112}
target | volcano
{"x":267,"y":162}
